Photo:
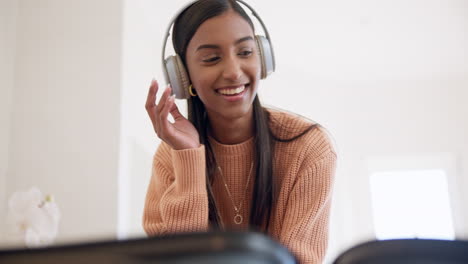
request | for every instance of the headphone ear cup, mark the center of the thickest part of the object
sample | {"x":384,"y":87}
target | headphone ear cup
{"x":267,"y":59}
{"x":177,"y":77}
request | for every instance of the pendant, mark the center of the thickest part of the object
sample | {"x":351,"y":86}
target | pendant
{"x":238,"y":219}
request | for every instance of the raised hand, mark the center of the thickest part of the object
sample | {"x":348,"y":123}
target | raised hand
{"x":179,"y":135}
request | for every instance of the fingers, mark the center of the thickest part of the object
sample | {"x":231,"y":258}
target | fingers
{"x":151,"y":104}
{"x":163,"y":99}
{"x":151,"y":98}
{"x":174,"y":110}
{"x":165,"y":125}
{"x":153,"y":109}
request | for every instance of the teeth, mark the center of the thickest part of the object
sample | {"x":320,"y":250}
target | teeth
{"x":232,"y":91}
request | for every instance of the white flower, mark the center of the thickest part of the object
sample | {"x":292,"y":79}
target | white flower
{"x":32,"y":218}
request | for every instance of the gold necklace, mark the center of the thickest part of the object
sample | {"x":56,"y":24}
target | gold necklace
{"x":238,"y":219}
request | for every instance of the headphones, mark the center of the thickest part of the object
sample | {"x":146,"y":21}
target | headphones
{"x":176,"y":74}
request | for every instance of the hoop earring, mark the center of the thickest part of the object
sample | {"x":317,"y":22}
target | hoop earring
{"x":191,"y":91}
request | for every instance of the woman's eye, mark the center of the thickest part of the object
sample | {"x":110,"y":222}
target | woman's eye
{"x":245,"y":53}
{"x":211,"y":59}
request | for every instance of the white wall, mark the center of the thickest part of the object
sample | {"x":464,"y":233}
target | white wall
{"x":65,"y":110}
{"x":145,"y":22}
{"x":8,"y":12}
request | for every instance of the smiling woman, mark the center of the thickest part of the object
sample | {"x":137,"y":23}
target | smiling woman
{"x":234,"y":164}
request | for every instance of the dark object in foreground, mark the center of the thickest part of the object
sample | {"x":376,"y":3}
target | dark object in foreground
{"x":407,"y":251}
{"x":214,"y":247}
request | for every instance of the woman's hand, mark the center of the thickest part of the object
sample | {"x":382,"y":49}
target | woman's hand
{"x":179,"y":135}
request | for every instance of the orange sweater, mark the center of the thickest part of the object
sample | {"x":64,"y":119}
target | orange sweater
{"x":177,"y":199}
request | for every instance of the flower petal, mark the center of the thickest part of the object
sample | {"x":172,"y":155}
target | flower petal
{"x":31,"y":238}
{"x":22,"y":200}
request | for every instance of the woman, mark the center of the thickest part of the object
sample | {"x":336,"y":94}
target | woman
{"x":235,"y":164}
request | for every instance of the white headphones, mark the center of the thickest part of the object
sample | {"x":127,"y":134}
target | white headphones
{"x":174,"y":70}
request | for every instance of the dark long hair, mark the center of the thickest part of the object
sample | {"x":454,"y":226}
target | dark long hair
{"x":264,"y":197}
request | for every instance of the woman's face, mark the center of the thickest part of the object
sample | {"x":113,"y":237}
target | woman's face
{"x":223,"y":64}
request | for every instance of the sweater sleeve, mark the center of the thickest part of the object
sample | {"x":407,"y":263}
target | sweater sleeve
{"x":305,"y":226}
{"x":176,"y":200}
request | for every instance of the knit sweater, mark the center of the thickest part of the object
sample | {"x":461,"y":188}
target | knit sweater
{"x":177,"y":199}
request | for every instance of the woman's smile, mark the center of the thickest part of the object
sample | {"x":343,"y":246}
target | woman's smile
{"x":233,"y":93}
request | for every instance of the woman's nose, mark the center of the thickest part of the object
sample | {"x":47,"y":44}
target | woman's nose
{"x":232,"y":69}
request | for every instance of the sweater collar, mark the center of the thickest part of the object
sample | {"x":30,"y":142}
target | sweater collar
{"x":242,"y":148}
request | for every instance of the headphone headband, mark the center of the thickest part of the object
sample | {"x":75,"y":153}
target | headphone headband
{"x":267,"y":35}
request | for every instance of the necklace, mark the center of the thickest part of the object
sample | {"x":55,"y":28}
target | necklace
{"x":238,"y":219}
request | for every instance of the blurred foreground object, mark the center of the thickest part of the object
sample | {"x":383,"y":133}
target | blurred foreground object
{"x":406,"y":251}
{"x":210,"y":247}
{"x":32,"y":219}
